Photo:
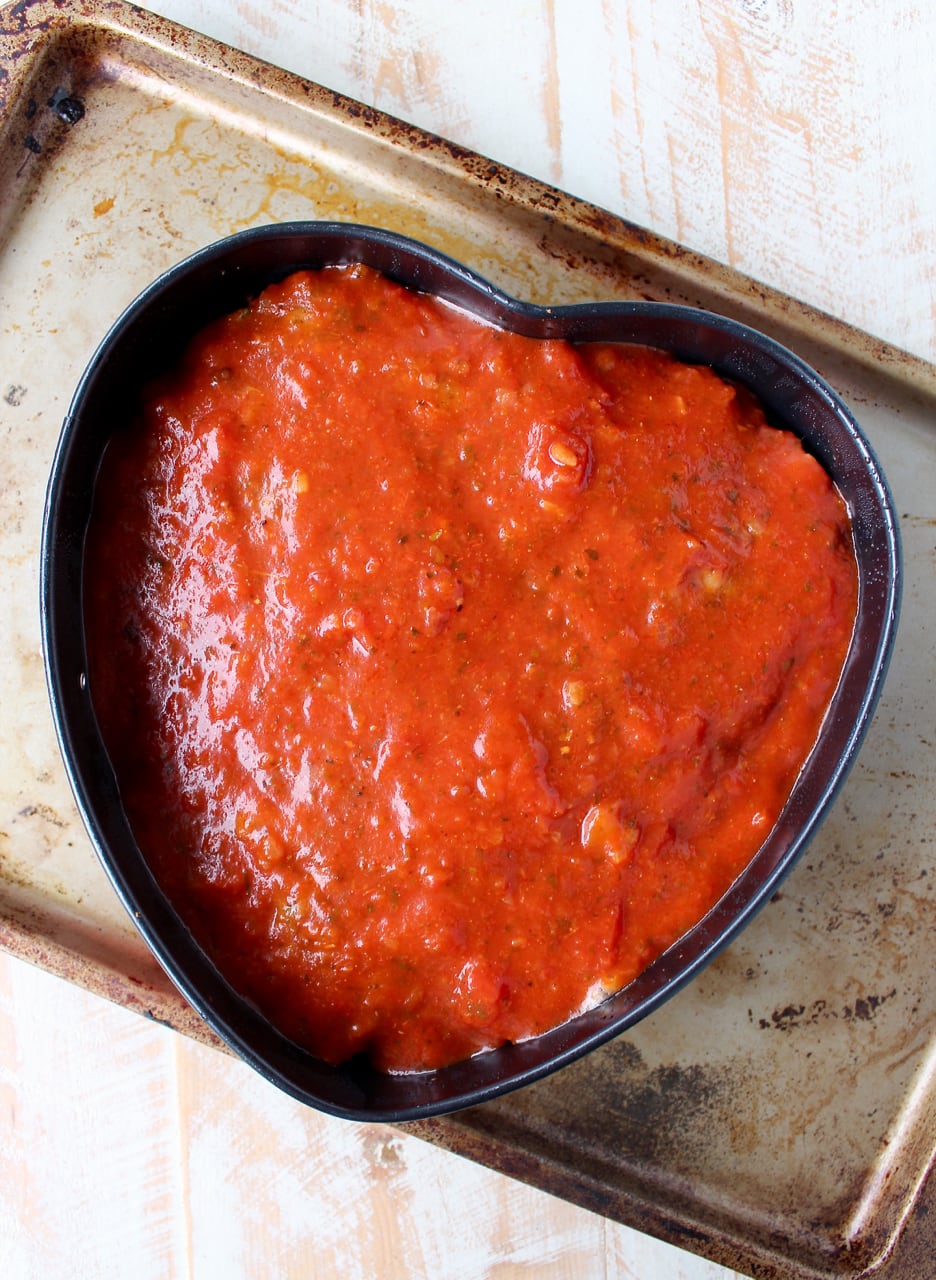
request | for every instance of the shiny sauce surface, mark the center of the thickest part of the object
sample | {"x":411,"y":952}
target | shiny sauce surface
{"x":450,"y":676}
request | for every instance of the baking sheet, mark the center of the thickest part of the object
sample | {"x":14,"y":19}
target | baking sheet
{"x":778,"y":1114}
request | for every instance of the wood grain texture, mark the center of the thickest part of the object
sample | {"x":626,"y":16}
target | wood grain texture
{"x":123,"y":1143}
{"x":787,"y":139}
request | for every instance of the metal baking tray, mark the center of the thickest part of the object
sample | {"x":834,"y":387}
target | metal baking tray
{"x":778,"y":1115}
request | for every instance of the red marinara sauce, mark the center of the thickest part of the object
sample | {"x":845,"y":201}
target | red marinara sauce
{"x":450,"y":676}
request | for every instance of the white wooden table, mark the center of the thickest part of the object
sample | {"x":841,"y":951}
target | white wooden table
{"x":792,"y":140}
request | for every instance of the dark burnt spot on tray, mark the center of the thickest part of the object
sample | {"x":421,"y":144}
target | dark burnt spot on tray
{"x":797,"y":1016}
{"x":789,"y":1016}
{"x":155,"y":1017}
{"x":43,"y":811}
{"x":653,"y":1112}
{"x":667,"y":1087}
{"x":14,"y":396}
{"x":368,"y":116}
{"x":65,"y":106}
{"x":680,"y":1234}
{"x":550,"y":200}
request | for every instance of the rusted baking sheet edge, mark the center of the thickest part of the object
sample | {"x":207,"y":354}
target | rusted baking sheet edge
{"x":24,"y":24}
{"x":83,"y":954}
{"x":912,"y":1255}
{"x":73,"y":949}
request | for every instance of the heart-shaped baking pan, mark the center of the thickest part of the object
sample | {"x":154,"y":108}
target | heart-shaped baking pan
{"x":148,"y":339}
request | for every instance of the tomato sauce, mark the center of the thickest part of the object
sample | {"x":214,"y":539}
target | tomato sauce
{"x":450,"y":676}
